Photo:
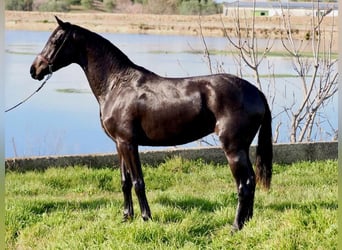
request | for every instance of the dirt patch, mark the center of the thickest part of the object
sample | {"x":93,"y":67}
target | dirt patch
{"x":213,"y":25}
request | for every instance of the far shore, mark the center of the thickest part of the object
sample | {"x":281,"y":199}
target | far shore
{"x":212,"y":25}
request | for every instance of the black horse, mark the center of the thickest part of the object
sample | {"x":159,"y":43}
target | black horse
{"x":138,"y":107}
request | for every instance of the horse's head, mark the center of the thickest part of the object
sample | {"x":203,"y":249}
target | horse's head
{"x":57,"y":53}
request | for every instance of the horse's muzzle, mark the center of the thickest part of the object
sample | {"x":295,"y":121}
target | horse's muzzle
{"x":33,"y":72}
{"x":39,"y":68}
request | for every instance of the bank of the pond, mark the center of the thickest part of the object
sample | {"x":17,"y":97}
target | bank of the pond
{"x":211,"y":25}
{"x":282,"y":153}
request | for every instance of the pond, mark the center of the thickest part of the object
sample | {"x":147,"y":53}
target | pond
{"x":63,"y":118}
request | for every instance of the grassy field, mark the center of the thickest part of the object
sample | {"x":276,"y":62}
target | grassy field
{"x":193,"y":206}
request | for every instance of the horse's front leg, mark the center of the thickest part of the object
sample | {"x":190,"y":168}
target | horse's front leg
{"x":126,"y":185}
{"x":131,"y":161}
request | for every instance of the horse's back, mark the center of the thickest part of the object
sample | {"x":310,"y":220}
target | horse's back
{"x":229,"y":93}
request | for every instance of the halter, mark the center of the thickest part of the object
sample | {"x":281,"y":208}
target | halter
{"x":50,"y":64}
{"x":54,"y":55}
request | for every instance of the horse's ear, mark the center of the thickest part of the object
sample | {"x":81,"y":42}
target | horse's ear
{"x":61,"y":23}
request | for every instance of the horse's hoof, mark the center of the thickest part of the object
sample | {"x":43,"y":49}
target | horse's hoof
{"x":127,"y":217}
{"x":235,"y":228}
{"x":146,"y":217}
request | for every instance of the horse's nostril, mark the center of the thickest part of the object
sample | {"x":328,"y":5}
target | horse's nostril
{"x":32,"y":71}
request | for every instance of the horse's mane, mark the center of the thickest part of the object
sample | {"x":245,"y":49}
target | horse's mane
{"x":102,"y":45}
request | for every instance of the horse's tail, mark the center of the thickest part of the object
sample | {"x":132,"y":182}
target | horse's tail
{"x":264,"y":150}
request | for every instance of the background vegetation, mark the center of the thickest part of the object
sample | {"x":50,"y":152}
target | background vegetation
{"x":145,"y":6}
{"x":193,"y":206}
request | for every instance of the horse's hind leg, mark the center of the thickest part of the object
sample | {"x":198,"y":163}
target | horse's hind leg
{"x":243,"y":173}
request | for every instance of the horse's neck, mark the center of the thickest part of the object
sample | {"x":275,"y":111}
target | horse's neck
{"x":104,"y":66}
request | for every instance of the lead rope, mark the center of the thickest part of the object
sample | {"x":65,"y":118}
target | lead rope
{"x":40,"y":87}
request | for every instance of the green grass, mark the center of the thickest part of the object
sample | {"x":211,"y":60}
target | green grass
{"x":193,"y":206}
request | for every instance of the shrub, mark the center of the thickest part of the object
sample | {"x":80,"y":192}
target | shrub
{"x":195,"y":7}
{"x":52,"y":5}
{"x":109,"y":5}
{"x":161,"y":6}
{"x":87,"y":4}
{"x":26,"y":5}
{"x":74,"y":2}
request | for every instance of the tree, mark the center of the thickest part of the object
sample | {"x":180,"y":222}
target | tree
{"x":316,"y":71}
{"x":318,"y":76}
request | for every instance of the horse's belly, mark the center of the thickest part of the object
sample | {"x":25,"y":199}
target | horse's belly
{"x":174,"y":131}
{"x":171,"y":140}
